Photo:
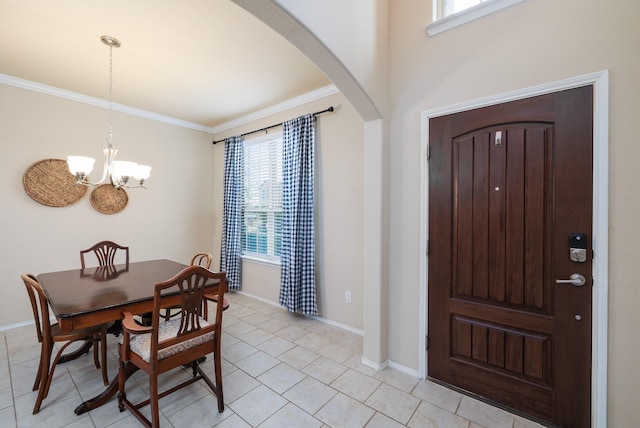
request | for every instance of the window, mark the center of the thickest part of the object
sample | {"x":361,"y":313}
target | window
{"x":262,"y":208}
{"x":449,"y":7}
{"x":448,"y":14}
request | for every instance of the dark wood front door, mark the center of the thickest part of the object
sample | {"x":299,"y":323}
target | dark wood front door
{"x":508,"y":185}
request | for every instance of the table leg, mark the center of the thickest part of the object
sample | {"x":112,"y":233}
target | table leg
{"x":107,"y":394}
{"x":75,"y":354}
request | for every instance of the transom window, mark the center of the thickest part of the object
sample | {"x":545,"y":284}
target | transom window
{"x":262,"y":208}
{"x":448,"y":14}
{"x":449,"y":7}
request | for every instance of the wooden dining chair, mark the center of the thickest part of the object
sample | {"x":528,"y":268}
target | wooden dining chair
{"x":204,"y":259}
{"x":105,"y":252}
{"x":200,"y":259}
{"x":167,"y":345}
{"x":48,"y":334}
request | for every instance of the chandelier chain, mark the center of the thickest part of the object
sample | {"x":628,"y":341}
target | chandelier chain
{"x":110,"y":134}
{"x":120,"y":173}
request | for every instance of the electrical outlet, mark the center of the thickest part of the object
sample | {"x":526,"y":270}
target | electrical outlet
{"x":347,"y":296}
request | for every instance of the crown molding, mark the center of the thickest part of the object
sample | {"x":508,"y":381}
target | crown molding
{"x":99,"y":102}
{"x":277,"y":108}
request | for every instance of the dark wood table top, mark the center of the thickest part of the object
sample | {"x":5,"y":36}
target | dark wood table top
{"x":82,"y":298}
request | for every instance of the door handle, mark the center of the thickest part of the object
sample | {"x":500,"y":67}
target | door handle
{"x":575,"y":279}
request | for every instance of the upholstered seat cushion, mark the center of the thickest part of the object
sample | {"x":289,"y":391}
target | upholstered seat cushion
{"x":141,"y":343}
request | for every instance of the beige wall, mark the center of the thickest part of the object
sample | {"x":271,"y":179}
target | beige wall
{"x":170,"y":220}
{"x":353,"y":51}
{"x":339,"y":211}
{"x":532,"y":43}
{"x":356,"y":32}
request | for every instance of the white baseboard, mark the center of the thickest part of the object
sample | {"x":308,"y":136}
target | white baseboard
{"x":17,"y":325}
{"x":315,"y":317}
{"x":374,"y":365}
{"x":404,"y":369}
{"x":392,"y":365}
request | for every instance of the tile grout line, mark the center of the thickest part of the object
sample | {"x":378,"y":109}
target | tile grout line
{"x":13,"y":397}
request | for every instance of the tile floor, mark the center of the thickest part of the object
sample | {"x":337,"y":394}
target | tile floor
{"x":280,"y":370}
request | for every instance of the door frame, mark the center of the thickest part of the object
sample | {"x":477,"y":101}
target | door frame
{"x":600,"y":234}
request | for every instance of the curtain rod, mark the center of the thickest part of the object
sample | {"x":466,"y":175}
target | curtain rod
{"x":328,"y":110}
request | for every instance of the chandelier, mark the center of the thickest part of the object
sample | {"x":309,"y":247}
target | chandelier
{"x":120,"y":173}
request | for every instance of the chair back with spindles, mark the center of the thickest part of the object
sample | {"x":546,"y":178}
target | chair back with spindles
{"x":171,"y":344}
{"x":105,"y":252}
{"x":200,"y":259}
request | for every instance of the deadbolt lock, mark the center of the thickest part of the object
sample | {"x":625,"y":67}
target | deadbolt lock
{"x":578,"y":255}
{"x":578,"y":247}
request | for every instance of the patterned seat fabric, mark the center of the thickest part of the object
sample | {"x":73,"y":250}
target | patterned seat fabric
{"x":141,"y":343}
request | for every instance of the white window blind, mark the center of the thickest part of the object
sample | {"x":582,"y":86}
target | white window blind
{"x":262,"y":218}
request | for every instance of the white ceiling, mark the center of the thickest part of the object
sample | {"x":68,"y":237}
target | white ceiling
{"x":200,"y":61}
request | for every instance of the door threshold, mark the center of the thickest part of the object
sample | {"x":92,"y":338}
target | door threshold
{"x":493,"y":403}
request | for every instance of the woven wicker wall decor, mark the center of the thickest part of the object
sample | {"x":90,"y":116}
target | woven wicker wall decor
{"x":50,"y":183}
{"x":106,"y":199}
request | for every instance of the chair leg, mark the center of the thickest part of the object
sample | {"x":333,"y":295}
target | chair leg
{"x":103,"y":355}
{"x":153,"y":401}
{"x":205,"y":308}
{"x":100,"y":344}
{"x":122,"y":377}
{"x":45,"y":373}
{"x":56,"y":360}
{"x":96,"y":360}
{"x":217,"y":364}
{"x":36,"y":384}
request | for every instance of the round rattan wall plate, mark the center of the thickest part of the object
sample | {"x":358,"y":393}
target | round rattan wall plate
{"x":50,"y":183}
{"x":106,"y":199}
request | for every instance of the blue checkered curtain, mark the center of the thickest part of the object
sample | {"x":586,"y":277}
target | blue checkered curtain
{"x":232,"y":210}
{"x":298,"y":256}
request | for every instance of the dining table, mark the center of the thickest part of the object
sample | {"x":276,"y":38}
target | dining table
{"x":87,"y":297}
